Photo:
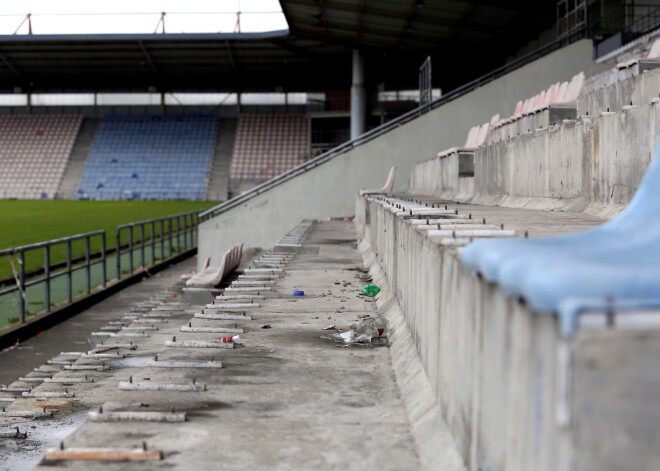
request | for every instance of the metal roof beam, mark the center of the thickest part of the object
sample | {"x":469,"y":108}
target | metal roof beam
{"x":5,"y":60}
{"x":230,"y":55}
{"x":150,"y":61}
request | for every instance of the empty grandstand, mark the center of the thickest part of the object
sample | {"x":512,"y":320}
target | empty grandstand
{"x":34,"y":151}
{"x":267,"y":145}
{"x":150,"y":157}
{"x":491,"y":303}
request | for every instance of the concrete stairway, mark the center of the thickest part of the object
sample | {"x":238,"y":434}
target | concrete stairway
{"x":218,"y":186}
{"x":76,"y":166}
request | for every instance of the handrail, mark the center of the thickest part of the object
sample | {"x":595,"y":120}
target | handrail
{"x":390,"y":125}
{"x":157,"y":239}
{"x":40,"y":245}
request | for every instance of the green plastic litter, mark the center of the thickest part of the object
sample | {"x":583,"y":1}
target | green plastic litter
{"x":371,"y":289}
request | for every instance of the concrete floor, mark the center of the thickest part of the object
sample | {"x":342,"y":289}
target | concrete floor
{"x":73,"y":334}
{"x":286,"y":399}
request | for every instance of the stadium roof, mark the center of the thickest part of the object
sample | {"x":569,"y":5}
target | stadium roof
{"x":464,"y":38}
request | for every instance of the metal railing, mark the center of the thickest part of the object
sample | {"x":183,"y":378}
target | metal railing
{"x":53,"y":273}
{"x":154,"y":240}
{"x":390,"y":125}
{"x":18,"y":264}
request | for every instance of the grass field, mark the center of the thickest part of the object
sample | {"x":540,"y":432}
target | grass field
{"x":31,"y":221}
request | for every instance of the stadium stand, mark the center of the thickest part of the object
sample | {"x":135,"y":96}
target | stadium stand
{"x":34,"y":151}
{"x":549,"y":306}
{"x":150,"y":157}
{"x":267,"y":145}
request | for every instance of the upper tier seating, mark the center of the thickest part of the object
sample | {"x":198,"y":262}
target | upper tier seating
{"x":476,"y":137}
{"x":34,"y":151}
{"x":613,"y":266}
{"x":652,"y":56}
{"x":547,"y":107}
{"x":150,"y":157}
{"x":267,"y":145}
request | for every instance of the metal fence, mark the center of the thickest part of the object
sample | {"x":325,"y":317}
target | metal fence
{"x":154,"y":240}
{"x":84,"y":262}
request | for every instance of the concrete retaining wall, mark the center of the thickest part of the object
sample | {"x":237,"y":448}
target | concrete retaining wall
{"x":514,"y":394}
{"x":593,"y":164}
{"x":606,"y":92}
{"x":329,"y":189}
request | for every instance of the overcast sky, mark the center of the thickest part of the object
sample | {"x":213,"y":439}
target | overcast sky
{"x":131,"y":16}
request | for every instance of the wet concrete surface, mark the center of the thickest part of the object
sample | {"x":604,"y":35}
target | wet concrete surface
{"x":73,"y":334}
{"x":284,"y":399}
{"x":69,"y":336}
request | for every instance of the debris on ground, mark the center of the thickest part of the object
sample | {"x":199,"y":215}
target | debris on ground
{"x":371,"y":289}
{"x":372,"y":328}
{"x":349,"y":337}
{"x":329,"y":327}
{"x":266,"y":326}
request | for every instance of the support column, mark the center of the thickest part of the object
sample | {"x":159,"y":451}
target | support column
{"x":358,"y":97}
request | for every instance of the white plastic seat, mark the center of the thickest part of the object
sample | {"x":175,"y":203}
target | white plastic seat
{"x":386,"y":189}
{"x":213,"y":276}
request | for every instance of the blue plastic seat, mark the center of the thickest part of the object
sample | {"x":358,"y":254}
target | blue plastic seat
{"x":613,"y":265}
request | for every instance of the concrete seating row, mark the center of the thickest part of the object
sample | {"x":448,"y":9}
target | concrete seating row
{"x":651,"y":61}
{"x":605,"y":268}
{"x":476,"y":137}
{"x":150,"y":157}
{"x":549,"y":107}
{"x":34,"y":152}
{"x":267,"y":145}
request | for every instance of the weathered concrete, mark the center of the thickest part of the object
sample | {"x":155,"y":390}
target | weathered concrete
{"x":593,"y":164}
{"x":606,"y":92}
{"x":514,"y":394}
{"x":73,"y":334}
{"x":285,"y":399}
{"x":328,"y":190}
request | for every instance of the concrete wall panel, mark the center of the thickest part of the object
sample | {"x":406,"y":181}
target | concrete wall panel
{"x":329,"y":189}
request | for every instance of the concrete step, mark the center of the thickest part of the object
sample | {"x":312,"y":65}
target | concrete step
{"x":76,"y":165}
{"x":218,"y":183}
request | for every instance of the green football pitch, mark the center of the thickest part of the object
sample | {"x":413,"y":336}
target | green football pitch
{"x":31,"y":221}
{"x":27,"y":222}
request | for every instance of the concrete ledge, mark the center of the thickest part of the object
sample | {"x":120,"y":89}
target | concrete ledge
{"x":513,"y":393}
{"x":592,"y":165}
{"x":435,"y":444}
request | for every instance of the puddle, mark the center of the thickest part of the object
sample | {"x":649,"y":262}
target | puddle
{"x":20,"y":455}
